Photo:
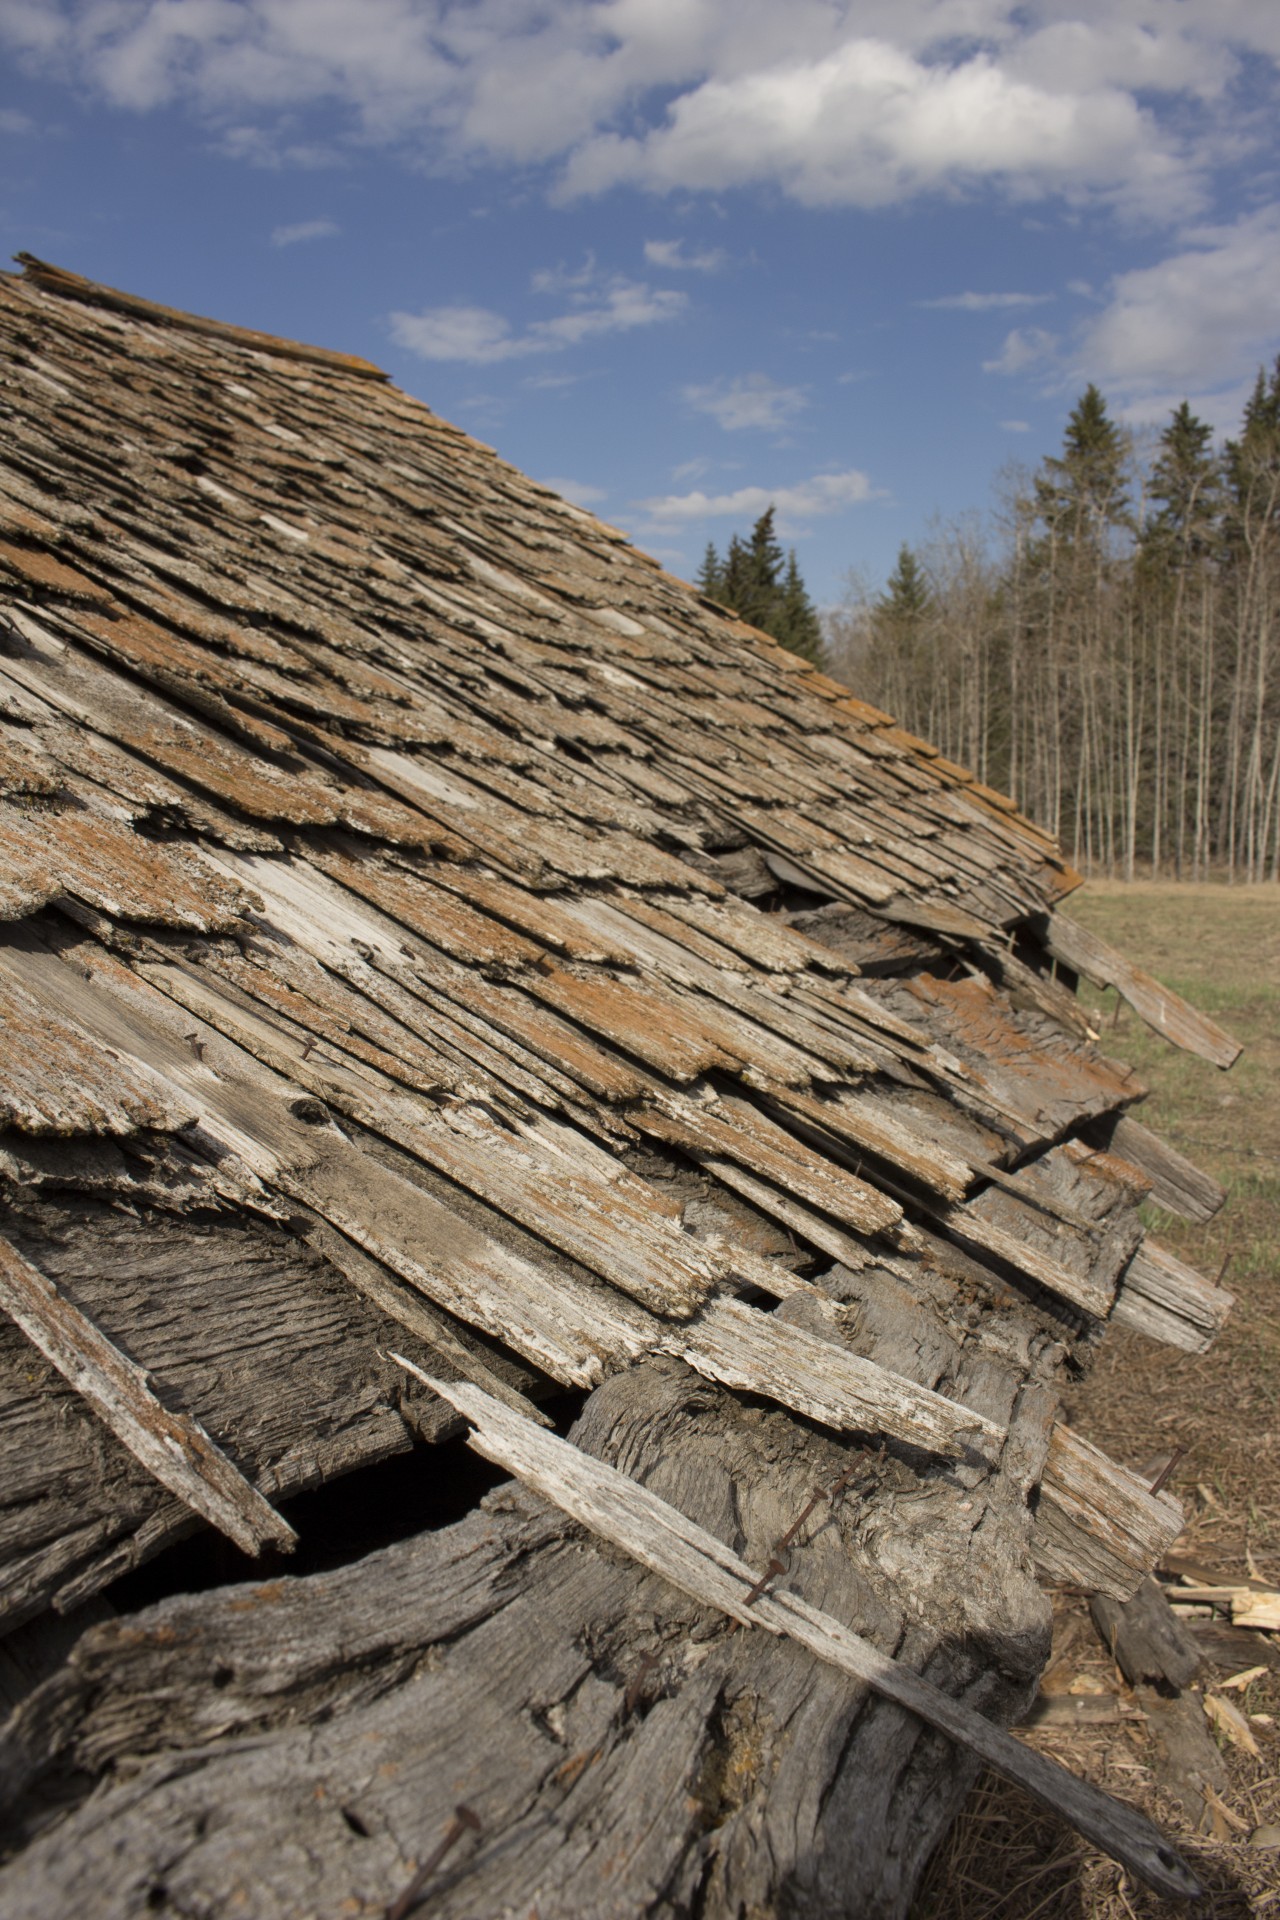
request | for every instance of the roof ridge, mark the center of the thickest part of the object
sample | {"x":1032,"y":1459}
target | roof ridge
{"x":73,"y":286}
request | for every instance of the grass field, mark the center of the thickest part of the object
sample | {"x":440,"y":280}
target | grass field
{"x":1006,"y":1860}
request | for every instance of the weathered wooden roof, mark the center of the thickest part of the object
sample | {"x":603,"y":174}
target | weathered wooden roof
{"x":427,"y":929}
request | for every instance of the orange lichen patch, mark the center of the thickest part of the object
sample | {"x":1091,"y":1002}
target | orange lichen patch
{"x":23,"y":521}
{"x":1036,"y":1076}
{"x":59,"y":1080}
{"x":735,"y":1130}
{"x":437,"y":915}
{"x":246,"y":781}
{"x":652,"y":1026}
{"x":533,"y":1027}
{"x":105,"y":864}
{"x":39,"y":570}
{"x":537,"y":914}
{"x":24,"y":767}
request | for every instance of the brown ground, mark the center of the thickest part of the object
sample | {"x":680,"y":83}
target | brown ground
{"x":1006,"y":1859}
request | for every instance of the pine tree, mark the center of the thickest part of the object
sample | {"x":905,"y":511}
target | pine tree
{"x":1081,"y":493}
{"x":797,"y":624}
{"x":750,"y":580}
{"x":905,"y":600}
{"x":1186,"y":485}
{"x":711,"y":574}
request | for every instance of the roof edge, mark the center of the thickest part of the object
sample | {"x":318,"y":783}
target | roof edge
{"x":73,"y":286}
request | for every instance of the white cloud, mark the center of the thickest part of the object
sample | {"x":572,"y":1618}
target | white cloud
{"x":600,"y":305}
{"x":1024,"y":348}
{"x":581,"y":494}
{"x":11,"y":121}
{"x":753,"y":400}
{"x":824,"y":493}
{"x":1203,"y":316}
{"x":1015,"y":426}
{"x":986,"y":302}
{"x":304,"y":230}
{"x":671,"y":256}
{"x":835,"y":102}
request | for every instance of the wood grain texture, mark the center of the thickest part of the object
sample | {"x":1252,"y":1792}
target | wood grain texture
{"x":173,"y":1447}
{"x":230,"y":1731}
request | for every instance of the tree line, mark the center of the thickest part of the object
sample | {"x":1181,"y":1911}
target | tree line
{"x":1106,"y":645}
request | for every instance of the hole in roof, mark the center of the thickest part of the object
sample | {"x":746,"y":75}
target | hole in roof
{"x":421,"y":1490}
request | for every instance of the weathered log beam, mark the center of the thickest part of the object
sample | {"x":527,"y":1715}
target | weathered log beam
{"x":666,"y":1541}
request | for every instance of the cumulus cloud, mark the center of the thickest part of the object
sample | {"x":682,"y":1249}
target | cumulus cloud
{"x":599,"y":304}
{"x":986,"y":302}
{"x":1024,"y":348}
{"x":304,"y":230}
{"x":835,"y":103}
{"x":824,"y":493}
{"x":754,"y":400}
{"x":1211,"y":305}
{"x":672,"y":258}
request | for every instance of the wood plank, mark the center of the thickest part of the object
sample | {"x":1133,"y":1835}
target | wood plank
{"x":1146,"y":1641}
{"x":734,"y":1129}
{"x":1085,"y":952}
{"x":632,"y":1517}
{"x":756,"y":1352}
{"x":172,"y":1446}
{"x":1161,"y":1296}
{"x":1098,"y":1525}
{"x":1175,"y":1182}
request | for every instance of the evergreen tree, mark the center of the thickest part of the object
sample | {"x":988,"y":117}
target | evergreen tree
{"x":905,"y":600}
{"x":797,"y":625}
{"x":1186,"y":486}
{"x":763,"y":566}
{"x":711,"y":574}
{"x":751,"y":582}
{"x":1081,"y":493}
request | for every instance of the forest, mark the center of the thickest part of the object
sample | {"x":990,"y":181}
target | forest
{"x":1105,"y":644}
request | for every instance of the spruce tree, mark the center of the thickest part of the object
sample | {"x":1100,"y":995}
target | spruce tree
{"x":905,"y":600}
{"x":750,"y":580}
{"x":1186,"y":487}
{"x":711,"y":574}
{"x":1081,"y":493}
{"x":797,"y":623}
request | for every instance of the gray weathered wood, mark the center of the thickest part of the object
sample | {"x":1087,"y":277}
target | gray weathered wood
{"x":663,"y":1539}
{"x":500,"y":1662}
{"x":1175,"y":1182}
{"x":1149,"y":1644}
{"x":1098,"y":1525}
{"x":1161,"y":1296}
{"x":1085,"y":952}
{"x":172,"y":1446}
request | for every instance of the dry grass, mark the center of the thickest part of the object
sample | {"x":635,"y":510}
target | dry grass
{"x":1007,"y":1859}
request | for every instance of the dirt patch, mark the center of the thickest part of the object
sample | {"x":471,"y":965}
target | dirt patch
{"x":1006,"y":1857}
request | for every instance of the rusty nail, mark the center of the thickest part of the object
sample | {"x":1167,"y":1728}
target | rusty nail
{"x":1226,"y":1262}
{"x":1165,"y":1474}
{"x":196,"y":1044}
{"x":463,"y":1818}
{"x":308,"y":1046}
{"x":771,"y":1572}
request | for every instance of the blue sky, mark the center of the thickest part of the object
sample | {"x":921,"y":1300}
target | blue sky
{"x":682,"y":258}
